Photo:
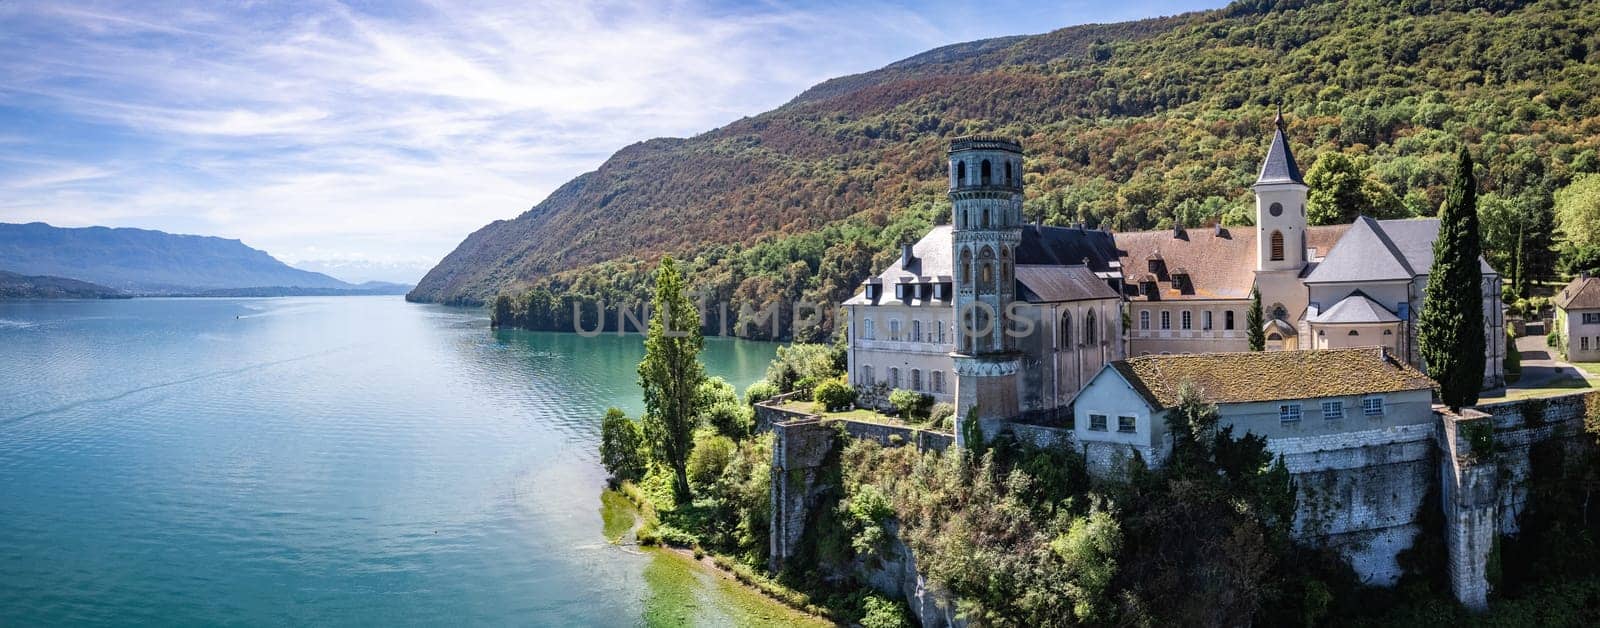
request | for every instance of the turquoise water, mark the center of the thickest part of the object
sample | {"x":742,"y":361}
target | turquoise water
{"x":316,"y":460}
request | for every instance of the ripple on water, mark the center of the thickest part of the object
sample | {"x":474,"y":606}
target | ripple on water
{"x":322,"y":461}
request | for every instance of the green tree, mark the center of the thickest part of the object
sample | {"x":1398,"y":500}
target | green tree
{"x":1578,"y":212}
{"x":712,"y":453}
{"x":1254,"y":324}
{"x":1343,"y":188}
{"x":621,"y":446}
{"x":834,"y":395}
{"x":1451,"y":327}
{"x":670,"y":375}
{"x":501,"y":314}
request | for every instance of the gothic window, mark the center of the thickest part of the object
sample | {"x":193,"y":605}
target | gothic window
{"x":961,"y":173}
{"x":1089,"y":334}
{"x":986,"y":173}
{"x":985,"y":224}
{"x":1005,"y":266}
{"x":1277,"y":246}
{"x":1144,"y":320}
{"x":1280,"y":312}
{"x":1066,"y":329}
{"x":1008,"y":173}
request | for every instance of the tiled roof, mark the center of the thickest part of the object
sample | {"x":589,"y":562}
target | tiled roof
{"x":1270,"y":375}
{"x":1279,"y":166}
{"x":1222,"y":264}
{"x":1583,"y":293}
{"x":1054,"y":284}
{"x":1356,"y":308}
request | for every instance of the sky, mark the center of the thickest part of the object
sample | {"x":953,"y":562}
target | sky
{"x":367,"y":139}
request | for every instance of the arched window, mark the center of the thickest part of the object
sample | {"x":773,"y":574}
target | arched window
{"x":1008,"y":173}
{"x":961,"y":173}
{"x":867,"y":330}
{"x":894,"y":377}
{"x":1089,"y":328}
{"x":985,"y":224}
{"x":1277,"y":246}
{"x":986,"y":268}
{"x":1355,"y":333}
{"x":1066,"y":329}
{"x":1005,"y":267}
{"x":986,"y":174}
{"x":916,"y":379}
{"x":1280,"y":312}
{"x":966,"y":267}
{"x":916,"y":331}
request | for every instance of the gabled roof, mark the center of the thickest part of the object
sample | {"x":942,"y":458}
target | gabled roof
{"x":1221,"y":263}
{"x":1383,"y":250}
{"x":1356,"y":308}
{"x":1365,"y":253}
{"x":1279,"y":166}
{"x":1271,"y":375}
{"x":1054,"y":284}
{"x":1583,"y":293}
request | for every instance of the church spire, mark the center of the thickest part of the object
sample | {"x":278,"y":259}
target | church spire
{"x":1279,"y":167}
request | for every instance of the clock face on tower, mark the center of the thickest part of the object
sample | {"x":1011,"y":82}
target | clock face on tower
{"x":1276,"y":209}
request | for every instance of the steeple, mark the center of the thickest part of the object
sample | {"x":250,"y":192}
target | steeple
{"x":1279,"y":167}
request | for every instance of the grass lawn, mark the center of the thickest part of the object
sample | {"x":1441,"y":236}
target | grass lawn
{"x":1592,"y":367}
{"x":857,"y":414}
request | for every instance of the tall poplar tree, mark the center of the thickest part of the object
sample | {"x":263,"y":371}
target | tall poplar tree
{"x":671,"y":374}
{"x":1450,"y":330}
{"x":1254,"y":323}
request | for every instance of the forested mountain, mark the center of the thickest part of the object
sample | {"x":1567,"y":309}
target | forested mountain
{"x":147,"y":262}
{"x":14,"y":286}
{"x":1132,"y":126}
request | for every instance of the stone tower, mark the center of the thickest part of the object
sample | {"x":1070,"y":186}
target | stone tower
{"x":986,"y":205}
{"x":1280,"y":237}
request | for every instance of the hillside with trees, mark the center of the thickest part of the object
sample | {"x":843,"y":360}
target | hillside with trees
{"x":1131,"y":126}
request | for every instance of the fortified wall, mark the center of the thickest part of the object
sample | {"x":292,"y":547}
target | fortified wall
{"x":1362,"y":493}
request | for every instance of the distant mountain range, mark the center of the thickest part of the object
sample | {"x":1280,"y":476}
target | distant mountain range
{"x":14,"y":286}
{"x":146,"y":262}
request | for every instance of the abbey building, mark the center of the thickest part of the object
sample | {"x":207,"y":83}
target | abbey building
{"x":1016,"y":318}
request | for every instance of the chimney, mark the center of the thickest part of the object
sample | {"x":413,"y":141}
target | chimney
{"x":906,"y":255}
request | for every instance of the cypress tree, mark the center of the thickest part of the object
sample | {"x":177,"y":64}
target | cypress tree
{"x":1450,"y":330}
{"x":1253,"y":321}
{"x":671,"y":374}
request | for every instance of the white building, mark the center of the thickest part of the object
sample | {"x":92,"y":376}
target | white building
{"x":1279,"y":395}
{"x":1577,"y":322}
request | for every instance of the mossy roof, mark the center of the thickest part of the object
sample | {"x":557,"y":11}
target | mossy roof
{"x":1270,"y":375}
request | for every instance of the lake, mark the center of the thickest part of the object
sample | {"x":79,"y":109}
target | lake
{"x":340,"y":460}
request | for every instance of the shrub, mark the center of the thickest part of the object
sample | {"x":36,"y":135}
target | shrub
{"x":942,"y":415}
{"x":621,"y":442}
{"x":760,"y":391}
{"x":912,"y":405}
{"x":880,"y":612}
{"x":1513,"y":357}
{"x":730,"y":418}
{"x":834,"y":395}
{"x":712,"y":453}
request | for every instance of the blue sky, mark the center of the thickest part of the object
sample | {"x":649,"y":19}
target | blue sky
{"x":368,"y":138}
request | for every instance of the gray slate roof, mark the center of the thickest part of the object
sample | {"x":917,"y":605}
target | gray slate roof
{"x":1056,"y":247}
{"x":1279,"y":166}
{"x":1382,"y":250}
{"x":1356,"y":308}
{"x":1054,"y":284}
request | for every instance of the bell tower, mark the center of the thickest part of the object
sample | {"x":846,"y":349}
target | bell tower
{"x":1280,"y":207}
{"x":986,"y":208}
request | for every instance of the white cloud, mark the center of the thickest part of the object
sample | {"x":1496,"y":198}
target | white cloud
{"x":332,"y":133}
